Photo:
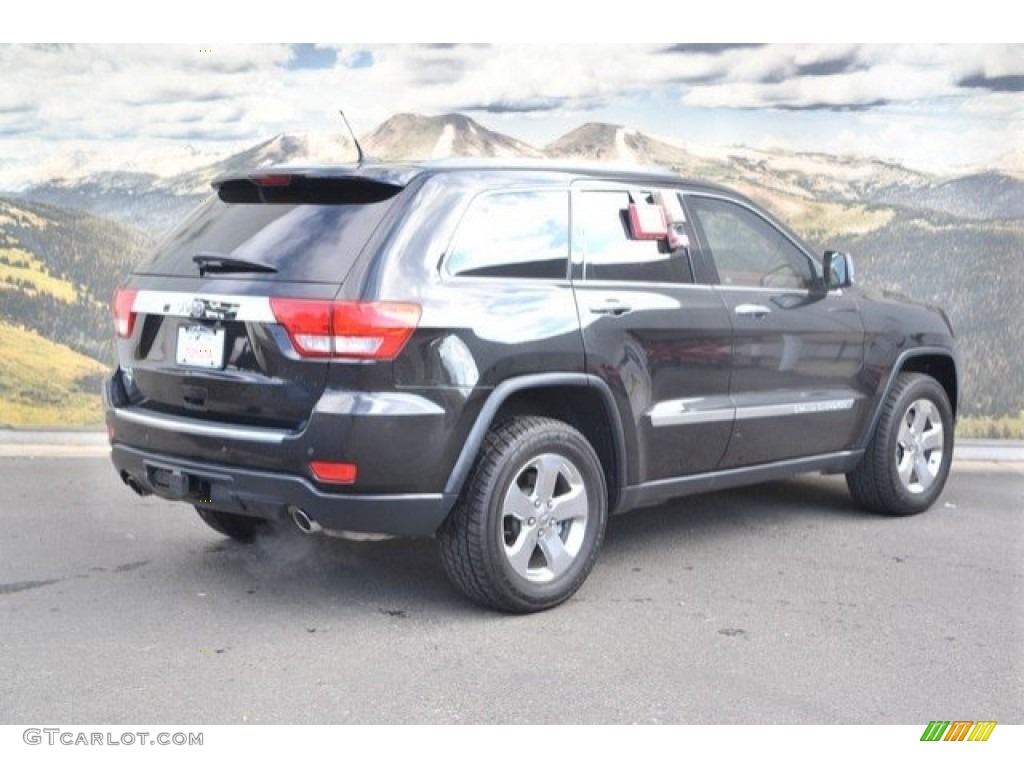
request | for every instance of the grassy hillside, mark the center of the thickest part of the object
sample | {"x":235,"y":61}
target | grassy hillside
{"x":972,"y":270}
{"x":58,"y":270}
{"x":24,"y":271}
{"x":46,"y":383}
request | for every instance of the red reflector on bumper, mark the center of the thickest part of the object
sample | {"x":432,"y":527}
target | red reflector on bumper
{"x":333,"y":472}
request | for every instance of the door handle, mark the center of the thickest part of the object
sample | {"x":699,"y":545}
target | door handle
{"x":752,"y":310}
{"x":611,"y":307}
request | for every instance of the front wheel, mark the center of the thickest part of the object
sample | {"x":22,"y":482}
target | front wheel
{"x":526,"y":531}
{"x":905,"y":466}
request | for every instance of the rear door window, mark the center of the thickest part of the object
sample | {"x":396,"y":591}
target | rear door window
{"x":515,"y":234}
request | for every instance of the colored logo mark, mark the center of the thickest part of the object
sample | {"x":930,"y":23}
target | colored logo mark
{"x":958,"y":730}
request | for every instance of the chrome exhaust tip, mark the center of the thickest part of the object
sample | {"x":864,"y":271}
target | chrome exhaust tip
{"x":303,"y":522}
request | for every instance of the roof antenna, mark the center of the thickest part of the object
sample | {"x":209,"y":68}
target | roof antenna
{"x":360,"y":157}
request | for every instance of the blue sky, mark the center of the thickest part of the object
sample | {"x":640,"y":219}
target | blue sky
{"x":937,"y":107}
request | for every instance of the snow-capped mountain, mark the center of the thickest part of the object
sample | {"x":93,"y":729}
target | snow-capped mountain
{"x":606,"y":143}
{"x":802,"y":174}
{"x":417,"y":137}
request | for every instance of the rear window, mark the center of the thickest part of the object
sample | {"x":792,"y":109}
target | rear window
{"x":315,"y":241}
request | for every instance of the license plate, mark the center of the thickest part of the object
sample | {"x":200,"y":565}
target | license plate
{"x":200,"y":347}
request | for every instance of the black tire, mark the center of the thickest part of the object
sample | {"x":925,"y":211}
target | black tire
{"x":238,"y":527}
{"x":530,"y":521}
{"x":905,"y":466}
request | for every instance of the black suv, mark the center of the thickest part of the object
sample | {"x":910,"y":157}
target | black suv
{"x":504,"y":354}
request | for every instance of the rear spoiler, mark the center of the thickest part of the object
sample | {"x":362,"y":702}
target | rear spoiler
{"x":316,"y":190}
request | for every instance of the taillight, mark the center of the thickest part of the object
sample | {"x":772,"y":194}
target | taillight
{"x":359,"y":330}
{"x":124,"y":317}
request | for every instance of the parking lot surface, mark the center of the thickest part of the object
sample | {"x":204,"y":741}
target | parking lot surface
{"x":781,"y":603}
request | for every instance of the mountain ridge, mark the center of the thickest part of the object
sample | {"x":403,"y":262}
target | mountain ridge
{"x":153,"y":202}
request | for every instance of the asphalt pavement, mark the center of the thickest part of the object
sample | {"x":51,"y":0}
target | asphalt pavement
{"x":781,"y":603}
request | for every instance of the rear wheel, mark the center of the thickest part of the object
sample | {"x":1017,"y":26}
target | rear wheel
{"x":238,"y":527}
{"x":527,"y":529}
{"x":907,"y":461}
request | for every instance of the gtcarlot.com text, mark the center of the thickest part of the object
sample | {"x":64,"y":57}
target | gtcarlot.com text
{"x":58,"y":736}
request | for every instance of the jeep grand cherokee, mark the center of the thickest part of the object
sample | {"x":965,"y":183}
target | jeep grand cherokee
{"x":504,"y":354}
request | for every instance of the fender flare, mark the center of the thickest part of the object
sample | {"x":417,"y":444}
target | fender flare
{"x":501,"y":393}
{"x":896,"y":369}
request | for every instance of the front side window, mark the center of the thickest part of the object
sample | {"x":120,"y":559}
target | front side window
{"x":513,"y":234}
{"x":747,"y":250}
{"x":611,"y":251}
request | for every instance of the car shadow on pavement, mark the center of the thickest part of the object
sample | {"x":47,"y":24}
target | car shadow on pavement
{"x":810,"y":499}
{"x":289,"y":567}
{"x":400,"y":577}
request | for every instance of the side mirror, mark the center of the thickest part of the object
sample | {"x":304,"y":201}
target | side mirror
{"x":838,"y":270}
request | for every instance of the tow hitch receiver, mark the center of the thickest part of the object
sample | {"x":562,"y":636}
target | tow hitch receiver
{"x":177,"y":484}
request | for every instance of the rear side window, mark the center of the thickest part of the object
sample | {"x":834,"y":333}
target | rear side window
{"x":305,"y":242}
{"x":521,"y":234}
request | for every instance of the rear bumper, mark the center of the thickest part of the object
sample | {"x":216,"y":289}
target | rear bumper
{"x":270,"y":495}
{"x":403,"y":442}
{"x":257,"y":471}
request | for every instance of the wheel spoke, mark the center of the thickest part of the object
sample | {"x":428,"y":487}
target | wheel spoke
{"x":905,"y":468}
{"x":923,"y":470}
{"x":932,"y":438}
{"x":521,"y":551}
{"x":904,"y":437}
{"x":573,"y":505}
{"x":922,"y":411}
{"x":555,"y":553}
{"x":518,"y":504}
{"x":548,"y":469}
